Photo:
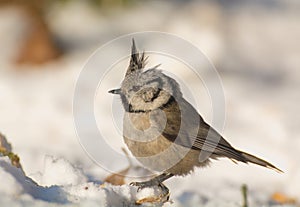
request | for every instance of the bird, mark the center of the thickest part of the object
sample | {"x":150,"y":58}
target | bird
{"x":163,"y":131}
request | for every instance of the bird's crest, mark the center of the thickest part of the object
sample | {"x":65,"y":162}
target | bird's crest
{"x":137,"y":60}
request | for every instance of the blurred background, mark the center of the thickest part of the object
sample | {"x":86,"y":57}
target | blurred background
{"x":254,"y":45}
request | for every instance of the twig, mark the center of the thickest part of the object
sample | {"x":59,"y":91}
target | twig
{"x":244,"y":190}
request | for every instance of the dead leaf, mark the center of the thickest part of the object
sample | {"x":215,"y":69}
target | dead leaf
{"x":6,"y":150}
{"x":154,"y":199}
{"x":283,"y":199}
{"x":117,"y":178}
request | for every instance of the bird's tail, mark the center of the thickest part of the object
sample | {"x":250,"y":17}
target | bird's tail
{"x":252,"y":159}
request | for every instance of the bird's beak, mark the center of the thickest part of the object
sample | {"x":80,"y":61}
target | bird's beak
{"x":115,"y":91}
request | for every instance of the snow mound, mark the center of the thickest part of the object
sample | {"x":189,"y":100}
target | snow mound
{"x":63,"y":183}
{"x":61,"y":172}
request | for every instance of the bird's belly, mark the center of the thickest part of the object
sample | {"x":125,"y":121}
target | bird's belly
{"x":162,"y":155}
{"x":154,"y":151}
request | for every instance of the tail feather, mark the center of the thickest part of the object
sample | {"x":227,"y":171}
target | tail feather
{"x":255,"y":160}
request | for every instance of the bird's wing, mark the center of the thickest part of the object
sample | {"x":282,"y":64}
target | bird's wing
{"x":209,"y":140}
{"x":196,"y":134}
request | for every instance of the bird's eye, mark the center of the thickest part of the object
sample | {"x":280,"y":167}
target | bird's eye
{"x":136,"y":88}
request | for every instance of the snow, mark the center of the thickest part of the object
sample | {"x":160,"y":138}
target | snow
{"x":64,"y":190}
{"x":261,"y":89}
{"x":55,"y":169}
{"x":29,"y":193}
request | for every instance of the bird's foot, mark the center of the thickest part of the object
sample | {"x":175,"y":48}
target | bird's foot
{"x":149,"y":184}
{"x":142,"y":185}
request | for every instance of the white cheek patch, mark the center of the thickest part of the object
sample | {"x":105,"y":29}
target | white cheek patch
{"x":139,"y":104}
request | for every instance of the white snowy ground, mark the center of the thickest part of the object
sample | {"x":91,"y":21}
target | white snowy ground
{"x":257,"y":54}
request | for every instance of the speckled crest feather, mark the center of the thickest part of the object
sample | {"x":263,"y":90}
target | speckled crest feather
{"x":137,"y":60}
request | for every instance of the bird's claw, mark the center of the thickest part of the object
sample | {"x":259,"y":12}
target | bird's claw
{"x":142,"y":185}
{"x":147,"y":184}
